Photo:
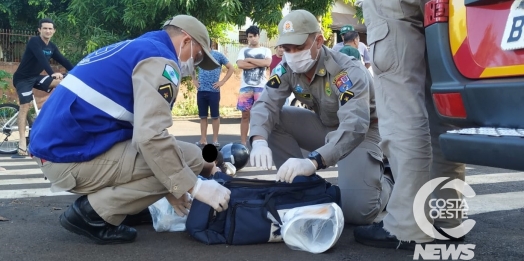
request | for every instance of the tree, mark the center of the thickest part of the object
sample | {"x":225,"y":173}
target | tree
{"x":359,"y":15}
{"x":85,"y":25}
{"x":23,"y":15}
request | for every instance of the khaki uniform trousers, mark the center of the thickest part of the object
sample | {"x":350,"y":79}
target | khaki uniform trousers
{"x":365,"y":191}
{"x":406,"y":112}
{"x":119,"y":182}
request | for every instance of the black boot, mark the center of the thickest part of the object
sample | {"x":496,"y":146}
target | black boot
{"x":81,"y":218}
{"x":376,"y":236}
{"x":142,"y":218}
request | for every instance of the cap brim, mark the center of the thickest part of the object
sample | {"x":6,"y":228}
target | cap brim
{"x":295,"y":39}
{"x":209,"y":63}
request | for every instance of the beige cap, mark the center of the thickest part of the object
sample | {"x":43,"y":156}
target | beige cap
{"x":198,"y":31}
{"x":296,"y":26}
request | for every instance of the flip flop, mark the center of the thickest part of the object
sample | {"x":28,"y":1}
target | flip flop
{"x":201,"y":145}
{"x":20,"y":154}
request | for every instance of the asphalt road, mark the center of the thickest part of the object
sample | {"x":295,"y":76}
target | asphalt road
{"x":32,"y":231}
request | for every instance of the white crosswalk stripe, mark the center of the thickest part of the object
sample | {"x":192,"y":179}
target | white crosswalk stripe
{"x":21,"y":175}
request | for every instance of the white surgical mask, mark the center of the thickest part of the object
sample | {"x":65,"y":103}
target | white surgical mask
{"x":187,"y":68}
{"x":300,"y":62}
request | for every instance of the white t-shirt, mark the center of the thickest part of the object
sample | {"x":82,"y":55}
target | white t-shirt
{"x":255,"y":77}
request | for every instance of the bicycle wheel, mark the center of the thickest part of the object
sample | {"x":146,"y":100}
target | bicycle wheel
{"x":10,"y":136}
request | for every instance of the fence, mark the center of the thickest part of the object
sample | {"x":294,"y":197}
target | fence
{"x":12,"y":44}
{"x":231,"y":50}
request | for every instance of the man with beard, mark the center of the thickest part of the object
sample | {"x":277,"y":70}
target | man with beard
{"x":254,"y":60}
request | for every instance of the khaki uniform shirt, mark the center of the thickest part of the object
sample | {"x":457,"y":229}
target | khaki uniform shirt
{"x":340,"y":93}
{"x":152,"y":117}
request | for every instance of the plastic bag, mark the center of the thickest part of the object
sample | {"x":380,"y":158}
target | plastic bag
{"x":231,"y":170}
{"x":164,"y":217}
{"x":314,"y":228}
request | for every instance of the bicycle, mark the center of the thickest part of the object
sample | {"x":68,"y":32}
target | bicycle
{"x":9,"y":123}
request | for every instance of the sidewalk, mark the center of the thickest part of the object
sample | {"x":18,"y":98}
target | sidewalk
{"x":188,"y":129}
{"x":236,"y":114}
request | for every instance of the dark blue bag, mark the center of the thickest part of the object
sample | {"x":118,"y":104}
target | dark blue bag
{"x":255,"y":208}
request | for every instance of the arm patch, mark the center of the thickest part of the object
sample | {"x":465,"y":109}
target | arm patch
{"x":166,"y":91}
{"x":171,"y":74}
{"x":273,"y":82}
{"x":342,"y":81}
{"x":345,"y":97}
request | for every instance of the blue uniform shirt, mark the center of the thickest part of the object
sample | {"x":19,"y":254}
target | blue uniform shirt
{"x":92,"y":109}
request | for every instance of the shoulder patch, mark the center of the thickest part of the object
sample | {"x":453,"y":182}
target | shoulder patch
{"x":279,"y":70}
{"x":342,"y":81}
{"x":345,"y":97}
{"x":345,"y":87}
{"x":166,"y":90}
{"x":171,"y":74}
{"x":274,"y":81}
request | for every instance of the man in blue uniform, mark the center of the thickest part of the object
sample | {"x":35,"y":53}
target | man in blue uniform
{"x":112,"y":146}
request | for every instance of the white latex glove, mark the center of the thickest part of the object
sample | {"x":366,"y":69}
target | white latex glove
{"x":180,"y":205}
{"x":295,"y":167}
{"x":261,"y":155}
{"x":231,"y":170}
{"x":359,"y":3}
{"x":211,"y":193}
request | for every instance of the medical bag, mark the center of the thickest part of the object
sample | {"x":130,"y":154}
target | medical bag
{"x":255,"y":209}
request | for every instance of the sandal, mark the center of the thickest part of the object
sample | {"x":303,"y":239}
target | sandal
{"x":20,"y":154}
{"x":216,"y":144}
{"x":200,"y":145}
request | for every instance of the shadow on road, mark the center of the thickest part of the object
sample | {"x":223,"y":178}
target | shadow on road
{"x":223,"y":139}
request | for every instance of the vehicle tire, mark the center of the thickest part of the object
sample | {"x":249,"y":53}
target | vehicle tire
{"x":8,"y":141}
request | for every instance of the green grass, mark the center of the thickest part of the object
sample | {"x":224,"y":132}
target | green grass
{"x":188,"y":107}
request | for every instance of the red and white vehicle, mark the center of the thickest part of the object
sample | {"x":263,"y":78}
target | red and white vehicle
{"x":476,"y":60}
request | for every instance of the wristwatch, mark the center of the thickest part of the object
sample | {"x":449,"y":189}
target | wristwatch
{"x":318,"y":158}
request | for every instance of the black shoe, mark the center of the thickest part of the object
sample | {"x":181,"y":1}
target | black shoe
{"x":450,"y":240}
{"x":376,"y":236}
{"x":80,"y":218}
{"x":142,"y":218}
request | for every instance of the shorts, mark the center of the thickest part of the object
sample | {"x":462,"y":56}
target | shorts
{"x":247,"y":97}
{"x":24,"y":87}
{"x":209,"y":100}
